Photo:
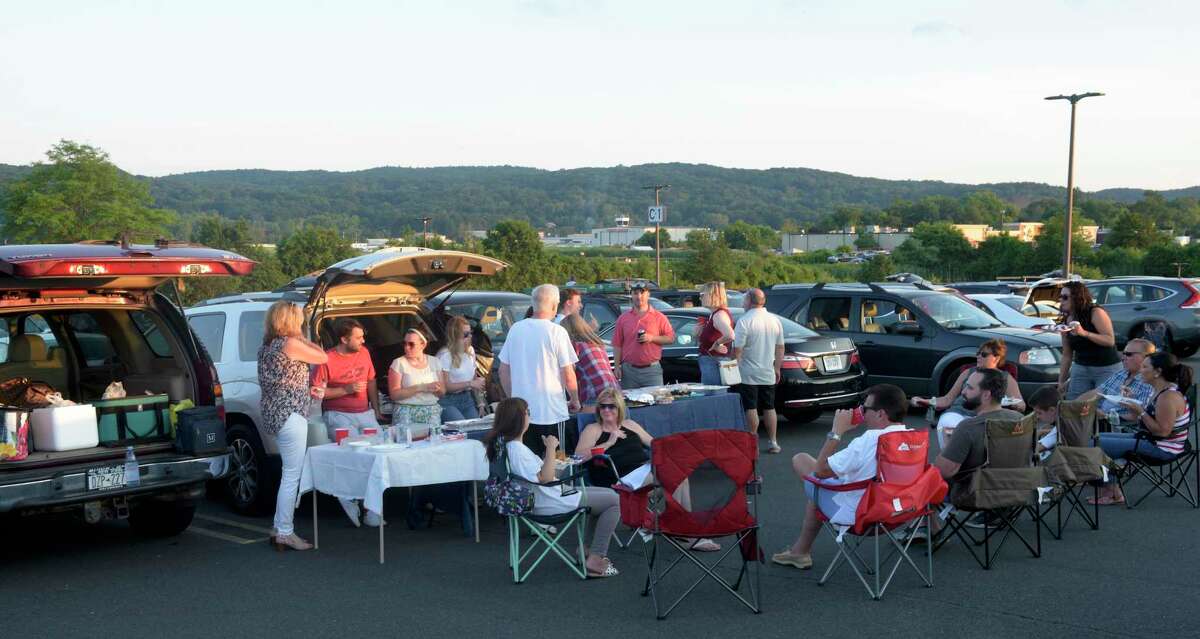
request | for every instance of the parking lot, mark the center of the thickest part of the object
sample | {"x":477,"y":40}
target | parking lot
{"x":1133,"y":577}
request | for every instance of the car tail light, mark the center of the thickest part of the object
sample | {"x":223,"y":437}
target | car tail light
{"x":1193,"y":301}
{"x":219,"y":400}
{"x":799,"y":362}
{"x":854,"y":358}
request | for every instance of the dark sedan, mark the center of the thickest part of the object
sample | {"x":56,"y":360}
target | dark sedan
{"x":818,"y":372}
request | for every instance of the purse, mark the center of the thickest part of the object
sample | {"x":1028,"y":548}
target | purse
{"x":730,"y":375}
{"x":508,"y":495}
{"x":22,"y":393}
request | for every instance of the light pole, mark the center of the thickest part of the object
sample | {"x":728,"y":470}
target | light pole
{"x":657,"y":232}
{"x":425,"y":230}
{"x":1071,"y":177}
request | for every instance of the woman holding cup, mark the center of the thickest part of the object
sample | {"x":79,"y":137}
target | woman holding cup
{"x":716,"y":334}
{"x":991,"y":354}
{"x":415,"y":383}
{"x":1089,"y":353}
{"x":457,"y":358}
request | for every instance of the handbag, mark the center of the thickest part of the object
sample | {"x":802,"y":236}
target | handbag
{"x":730,"y":375}
{"x":22,"y":393}
{"x":508,"y":495}
{"x":14,"y":435}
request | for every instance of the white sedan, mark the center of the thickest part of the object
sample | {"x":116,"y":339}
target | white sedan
{"x":1010,"y":309}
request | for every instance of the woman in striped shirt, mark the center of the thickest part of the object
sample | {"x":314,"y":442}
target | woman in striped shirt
{"x":1162,"y":422}
{"x":593,"y":369}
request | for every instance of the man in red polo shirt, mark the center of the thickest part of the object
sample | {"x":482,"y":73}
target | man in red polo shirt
{"x":637,"y":342}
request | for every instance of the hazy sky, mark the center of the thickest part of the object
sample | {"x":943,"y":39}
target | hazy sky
{"x":913,"y":89}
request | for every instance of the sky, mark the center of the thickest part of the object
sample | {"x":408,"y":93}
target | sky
{"x":900,"y":90}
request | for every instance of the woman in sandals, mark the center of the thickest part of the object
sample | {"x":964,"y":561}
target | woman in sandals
{"x":512,"y":420}
{"x":624,"y":441}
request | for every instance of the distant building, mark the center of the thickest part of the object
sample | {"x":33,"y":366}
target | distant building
{"x":807,"y":242}
{"x":625,"y":235}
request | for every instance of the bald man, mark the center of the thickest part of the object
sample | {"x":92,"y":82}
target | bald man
{"x":758,"y":349}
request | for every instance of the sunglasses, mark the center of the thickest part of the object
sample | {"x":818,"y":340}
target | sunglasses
{"x":1064,"y":298}
{"x":467,"y":336}
{"x":606,"y":406}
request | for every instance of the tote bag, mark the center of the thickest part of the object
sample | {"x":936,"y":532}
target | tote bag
{"x":730,"y":375}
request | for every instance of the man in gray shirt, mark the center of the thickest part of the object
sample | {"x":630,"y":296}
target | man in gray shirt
{"x":967,"y":448}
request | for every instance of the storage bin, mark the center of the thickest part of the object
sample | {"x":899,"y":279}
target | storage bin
{"x":201,"y":431}
{"x":60,"y":428}
{"x":129,"y":420}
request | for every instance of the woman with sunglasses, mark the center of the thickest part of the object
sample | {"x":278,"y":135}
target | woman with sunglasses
{"x":991,"y":354}
{"x":457,"y":358}
{"x":1089,"y":353}
{"x":624,"y":441}
{"x":416,"y":382}
{"x":507,"y":433}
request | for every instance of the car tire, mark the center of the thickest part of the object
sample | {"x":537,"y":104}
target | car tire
{"x":248,"y":484}
{"x":802,"y":416}
{"x":1140,"y":333}
{"x":162,"y":518}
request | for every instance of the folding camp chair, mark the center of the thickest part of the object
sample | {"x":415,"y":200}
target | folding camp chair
{"x":1003,"y":488}
{"x":1075,"y":463}
{"x":604,"y":463}
{"x":719,"y":467}
{"x":549,"y":531}
{"x":899,"y":497}
{"x":1169,"y":477}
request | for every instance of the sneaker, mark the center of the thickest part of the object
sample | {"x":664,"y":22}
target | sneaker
{"x":373,"y":520}
{"x":353,"y":511}
{"x":788,"y":558}
{"x":916,"y":535}
{"x":774,"y":448}
{"x":979,"y":520}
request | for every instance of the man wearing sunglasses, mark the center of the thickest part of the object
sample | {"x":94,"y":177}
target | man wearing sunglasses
{"x":1126,"y":382}
{"x":883,"y":411}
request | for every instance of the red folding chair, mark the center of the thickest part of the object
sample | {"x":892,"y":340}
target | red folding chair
{"x":900,"y":496}
{"x":720,"y":468}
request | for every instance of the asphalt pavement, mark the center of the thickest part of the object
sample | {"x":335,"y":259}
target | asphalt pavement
{"x":1133,"y":577}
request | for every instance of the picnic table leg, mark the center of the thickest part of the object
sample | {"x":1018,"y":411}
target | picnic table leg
{"x":475,"y":502}
{"x":316,"y":536}
{"x":382,"y":523}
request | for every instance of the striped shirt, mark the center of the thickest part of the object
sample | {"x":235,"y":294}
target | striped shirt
{"x":1175,"y":442}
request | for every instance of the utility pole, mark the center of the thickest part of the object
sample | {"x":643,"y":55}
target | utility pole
{"x":1070,"y":177}
{"x":657,"y":232}
{"x":425,"y":232}
{"x":1179,"y":268}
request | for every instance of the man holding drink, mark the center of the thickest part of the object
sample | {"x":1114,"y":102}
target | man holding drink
{"x":637,"y":342}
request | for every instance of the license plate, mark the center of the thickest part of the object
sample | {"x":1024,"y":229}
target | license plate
{"x":833,"y":362}
{"x":106,"y":478}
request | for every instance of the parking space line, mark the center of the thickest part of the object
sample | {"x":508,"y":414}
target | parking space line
{"x":235,"y":524}
{"x":241,"y":541}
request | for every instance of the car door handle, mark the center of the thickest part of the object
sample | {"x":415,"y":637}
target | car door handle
{"x":1139,"y":308}
{"x":692,"y":356}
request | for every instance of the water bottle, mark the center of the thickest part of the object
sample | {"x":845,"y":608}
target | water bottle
{"x":1114,"y":419}
{"x":133,"y":476}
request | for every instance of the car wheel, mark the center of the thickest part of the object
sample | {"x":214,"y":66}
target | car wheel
{"x":247,"y":483}
{"x":803,"y":416}
{"x":162,"y":518}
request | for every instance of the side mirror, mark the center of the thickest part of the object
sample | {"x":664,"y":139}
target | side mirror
{"x":908,"y":328}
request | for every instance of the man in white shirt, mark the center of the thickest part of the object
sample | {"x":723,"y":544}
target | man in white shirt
{"x":883,"y":411}
{"x":537,"y":364}
{"x":758,"y":348}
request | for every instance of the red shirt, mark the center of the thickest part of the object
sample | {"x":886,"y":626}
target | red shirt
{"x":625,"y":336}
{"x":341,"y":370}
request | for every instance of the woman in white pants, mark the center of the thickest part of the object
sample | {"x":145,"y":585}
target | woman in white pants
{"x":283,"y":374}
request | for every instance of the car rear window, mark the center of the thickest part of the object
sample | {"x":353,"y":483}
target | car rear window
{"x":151,"y":333}
{"x":210,"y":328}
{"x":251,"y":328}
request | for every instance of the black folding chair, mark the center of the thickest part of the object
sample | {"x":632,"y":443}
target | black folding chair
{"x":1178,"y":476}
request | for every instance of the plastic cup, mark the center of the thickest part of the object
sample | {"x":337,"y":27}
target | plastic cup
{"x":370,"y":431}
{"x":599,"y":450}
{"x":339,"y":434}
{"x":856,"y":416}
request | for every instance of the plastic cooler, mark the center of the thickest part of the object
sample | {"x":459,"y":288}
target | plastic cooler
{"x":133,"y":419}
{"x":64,"y":428}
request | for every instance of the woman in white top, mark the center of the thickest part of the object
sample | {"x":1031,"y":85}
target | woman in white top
{"x":462,"y":379}
{"x":415,"y":382}
{"x":512,"y":420}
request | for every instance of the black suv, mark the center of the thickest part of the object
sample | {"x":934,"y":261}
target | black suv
{"x":913,"y":336}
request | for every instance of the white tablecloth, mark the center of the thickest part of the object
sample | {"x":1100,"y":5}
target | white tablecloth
{"x":356,"y":474}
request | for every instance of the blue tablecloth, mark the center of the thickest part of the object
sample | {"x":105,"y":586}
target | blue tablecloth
{"x":696,"y":413}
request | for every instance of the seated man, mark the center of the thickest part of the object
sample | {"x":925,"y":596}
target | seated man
{"x":1045,"y":405}
{"x":1126,"y":382}
{"x":967,"y":449}
{"x":883,"y":412}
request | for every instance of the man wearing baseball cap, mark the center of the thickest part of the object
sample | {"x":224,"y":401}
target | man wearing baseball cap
{"x":637,"y":342}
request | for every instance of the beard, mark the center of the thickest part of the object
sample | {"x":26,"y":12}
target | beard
{"x":971,"y":403}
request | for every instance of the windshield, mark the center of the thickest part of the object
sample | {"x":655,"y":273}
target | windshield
{"x":1014,"y":302}
{"x":952,"y":313}
{"x":793,"y":331}
{"x":494,"y":319}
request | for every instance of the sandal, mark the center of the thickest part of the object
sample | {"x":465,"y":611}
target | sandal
{"x":609,"y":571}
{"x":1105,"y":501}
{"x":704,"y":545}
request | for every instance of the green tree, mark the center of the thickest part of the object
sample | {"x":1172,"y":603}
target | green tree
{"x":877,"y":269}
{"x":865,"y":241}
{"x":1048,"y":248}
{"x":647,"y":239}
{"x":750,"y":237}
{"x":80,"y":195}
{"x":935,"y":247}
{"x":712,"y":262}
{"x":312,"y":249}
{"x":216,"y":232}
{"x":1134,"y":230}
{"x":999,"y":256}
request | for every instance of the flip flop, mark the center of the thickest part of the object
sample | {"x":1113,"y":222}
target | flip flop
{"x":1105,"y":501}
{"x":705,"y":545}
{"x":609,"y":571}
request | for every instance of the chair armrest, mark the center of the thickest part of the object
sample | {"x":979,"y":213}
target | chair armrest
{"x":858,"y":485}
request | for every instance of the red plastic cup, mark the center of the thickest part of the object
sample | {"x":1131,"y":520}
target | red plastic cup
{"x":370,"y":431}
{"x":856,"y":417}
{"x":339,"y":434}
{"x":599,"y":450}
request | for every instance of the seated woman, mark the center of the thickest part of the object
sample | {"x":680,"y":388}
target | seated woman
{"x":416,"y":382}
{"x":1162,"y":423}
{"x":512,"y":420}
{"x":625,"y":442}
{"x":991,"y":355}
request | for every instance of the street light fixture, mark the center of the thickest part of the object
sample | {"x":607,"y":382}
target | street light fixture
{"x":657,"y":232}
{"x":1075,"y":98}
{"x":425,"y":231}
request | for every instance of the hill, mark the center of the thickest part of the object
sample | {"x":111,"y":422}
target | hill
{"x":388,"y":200}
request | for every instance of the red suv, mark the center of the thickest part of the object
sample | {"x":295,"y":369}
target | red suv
{"x":78,"y":317}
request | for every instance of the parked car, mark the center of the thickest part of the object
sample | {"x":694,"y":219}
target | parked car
{"x":1011,"y":310}
{"x":680,"y":298}
{"x":388,"y":291}
{"x":914,"y":337}
{"x":113,"y":317}
{"x":602,"y":310}
{"x":999,"y":287}
{"x":1163,"y":309}
{"x":818,"y":372}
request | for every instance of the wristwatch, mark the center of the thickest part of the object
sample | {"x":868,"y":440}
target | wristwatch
{"x":833,"y":436}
